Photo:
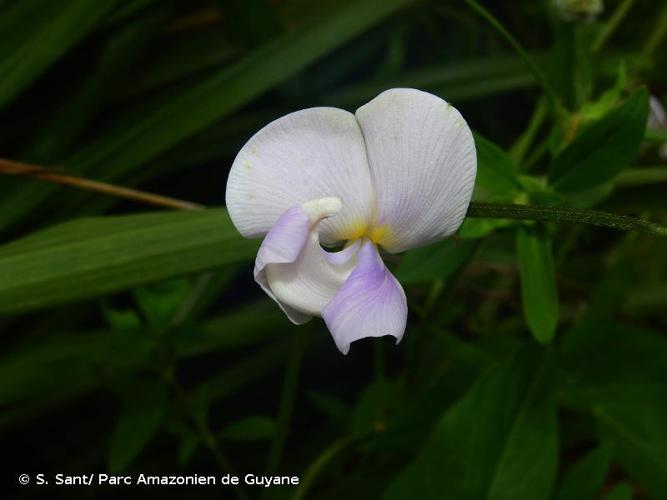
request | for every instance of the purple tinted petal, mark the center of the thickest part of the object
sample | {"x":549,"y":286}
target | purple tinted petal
{"x":282,"y":245}
{"x":343,"y":256}
{"x":371,"y":303}
{"x":285,"y":240}
{"x":294,"y":270}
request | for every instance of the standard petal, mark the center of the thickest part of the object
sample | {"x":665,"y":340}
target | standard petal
{"x":302,"y":156}
{"x":292,"y":267}
{"x":423,"y":164}
{"x":371,"y":303}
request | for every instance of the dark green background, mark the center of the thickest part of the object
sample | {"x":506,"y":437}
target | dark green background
{"x":534,"y":365}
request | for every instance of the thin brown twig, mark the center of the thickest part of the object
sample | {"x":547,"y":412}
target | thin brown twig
{"x":59,"y":176}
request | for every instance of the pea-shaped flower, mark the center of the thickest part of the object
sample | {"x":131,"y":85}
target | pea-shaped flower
{"x":398,"y":174}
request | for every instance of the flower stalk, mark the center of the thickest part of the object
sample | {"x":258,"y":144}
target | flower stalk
{"x":564,"y":215}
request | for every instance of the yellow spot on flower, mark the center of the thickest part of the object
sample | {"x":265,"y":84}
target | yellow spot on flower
{"x":380,"y":235}
{"x":354,"y":231}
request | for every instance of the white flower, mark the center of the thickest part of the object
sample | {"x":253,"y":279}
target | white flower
{"x":397,"y":174}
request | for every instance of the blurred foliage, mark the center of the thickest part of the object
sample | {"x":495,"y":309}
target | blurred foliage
{"x":533,"y":366}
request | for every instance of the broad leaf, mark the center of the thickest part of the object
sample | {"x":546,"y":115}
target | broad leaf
{"x":538,"y":284}
{"x":27,"y":373}
{"x":585,"y":478}
{"x":96,"y":256}
{"x":438,"y":261}
{"x":622,"y":491}
{"x":619,"y":374}
{"x":606,"y":364}
{"x":603,"y":149}
{"x":375,"y":406}
{"x":498,"y":442}
{"x":138,"y":423}
{"x":496,"y":174}
{"x":637,"y":431}
{"x":255,"y":428}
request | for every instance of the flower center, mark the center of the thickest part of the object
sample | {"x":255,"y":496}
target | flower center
{"x":379,"y":235}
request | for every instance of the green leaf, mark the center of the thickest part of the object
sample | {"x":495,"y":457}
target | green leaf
{"x":87,"y":360}
{"x":478,"y":228}
{"x":189,"y":444}
{"x":250,"y":324}
{"x":630,"y":367}
{"x":637,"y":432}
{"x":27,"y":373}
{"x":59,"y":131}
{"x":54,"y":28}
{"x":255,"y":21}
{"x":376,"y":405}
{"x":603,"y":149}
{"x":336,"y":410}
{"x":656,"y":135}
{"x":254,"y":428}
{"x":572,"y":56}
{"x":196,"y":51}
{"x":496,"y":173}
{"x":608,"y":100}
{"x":496,"y":181}
{"x":498,"y":442}
{"x":159,"y":302}
{"x":130,"y":144}
{"x":246,"y":371}
{"x":138,"y":423}
{"x":620,"y":375}
{"x":438,"y":261}
{"x":96,"y":256}
{"x":538,"y":285}
{"x":199,"y":405}
{"x":121,"y":320}
{"x":585,"y":478}
{"x":622,"y":491}
{"x":455,"y":81}
{"x":539,"y":193}
{"x":503,"y":32}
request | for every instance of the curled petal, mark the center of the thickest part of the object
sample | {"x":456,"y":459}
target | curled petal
{"x":291,"y":266}
{"x":423,"y":164}
{"x":371,"y":303}
{"x":302,"y":156}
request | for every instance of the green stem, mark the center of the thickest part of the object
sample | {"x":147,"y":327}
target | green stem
{"x":287,"y":397}
{"x":639,"y":176}
{"x":611,"y":25}
{"x":541,"y":78}
{"x":564,"y":215}
{"x":168,"y":359}
{"x":536,"y":154}
{"x":657,"y":35}
{"x":522,"y":144}
{"x":320,"y":463}
{"x":205,"y":434}
{"x":434,"y":294}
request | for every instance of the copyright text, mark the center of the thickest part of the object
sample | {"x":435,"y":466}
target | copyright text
{"x":95,"y":479}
